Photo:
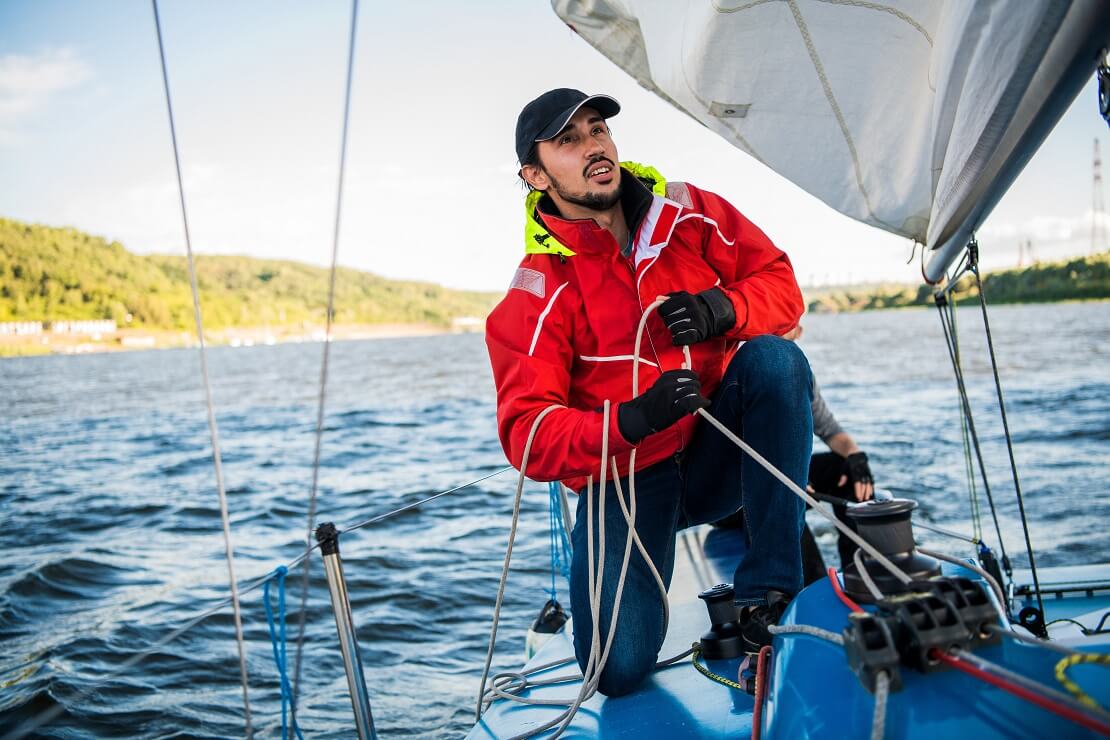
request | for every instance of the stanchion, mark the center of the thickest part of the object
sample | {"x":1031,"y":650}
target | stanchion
{"x":328,"y":537}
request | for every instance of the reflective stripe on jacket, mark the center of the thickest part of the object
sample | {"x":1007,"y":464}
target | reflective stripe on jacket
{"x":564,"y":332}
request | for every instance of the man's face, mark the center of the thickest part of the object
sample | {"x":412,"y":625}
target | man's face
{"x":579,"y":166}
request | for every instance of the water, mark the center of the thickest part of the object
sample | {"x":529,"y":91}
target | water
{"x":112,"y":531}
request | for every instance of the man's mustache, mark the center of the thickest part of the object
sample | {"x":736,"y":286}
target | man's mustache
{"x":596,"y":161}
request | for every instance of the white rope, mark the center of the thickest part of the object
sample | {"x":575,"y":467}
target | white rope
{"x":595,"y":663}
{"x":882,"y":691}
{"x":796,"y":490}
{"x":788,"y":630}
{"x":857,"y":558}
{"x":975,"y":569}
{"x":509,"y":554}
{"x":213,"y":430}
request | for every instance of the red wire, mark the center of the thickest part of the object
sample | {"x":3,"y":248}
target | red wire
{"x":1091,"y":723}
{"x":840,"y":592}
{"x":760,"y":690}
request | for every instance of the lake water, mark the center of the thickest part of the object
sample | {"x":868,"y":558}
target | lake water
{"x":112,"y":530}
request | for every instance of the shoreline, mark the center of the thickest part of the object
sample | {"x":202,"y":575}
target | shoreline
{"x":140,"y":340}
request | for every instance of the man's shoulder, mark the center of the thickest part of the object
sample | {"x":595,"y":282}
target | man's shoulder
{"x":680,"y":192}
{"x":538,"y":276}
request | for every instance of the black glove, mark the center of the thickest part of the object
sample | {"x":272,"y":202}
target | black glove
{"x":675,"y":394}
{"x":857,"y":469}
{"x":695,"y":318}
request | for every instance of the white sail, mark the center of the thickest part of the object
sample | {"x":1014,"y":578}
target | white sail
{"x":913,"y":116}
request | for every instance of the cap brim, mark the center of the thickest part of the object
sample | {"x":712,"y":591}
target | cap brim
{"x":603,"y":104}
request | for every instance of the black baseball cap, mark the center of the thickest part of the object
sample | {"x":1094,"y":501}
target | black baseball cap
{"x":546,"y":116}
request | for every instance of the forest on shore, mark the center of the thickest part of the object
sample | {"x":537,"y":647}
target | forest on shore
{"x":54,"y":274}
{"x":50,"y":274}
{"x":1080,"y":278}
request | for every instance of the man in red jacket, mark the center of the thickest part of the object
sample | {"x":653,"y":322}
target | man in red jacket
{"x":603,"y":240}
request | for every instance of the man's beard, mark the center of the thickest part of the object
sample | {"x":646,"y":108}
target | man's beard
{"x":593,"y":201}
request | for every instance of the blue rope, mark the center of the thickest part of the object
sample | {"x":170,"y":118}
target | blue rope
{"x":277,"y":639}
{"x":559,"y":541}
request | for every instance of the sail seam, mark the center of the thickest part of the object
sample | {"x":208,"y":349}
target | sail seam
{"x":837,"y":113}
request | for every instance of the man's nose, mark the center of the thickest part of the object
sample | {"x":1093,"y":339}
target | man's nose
{"x":593,"y":149}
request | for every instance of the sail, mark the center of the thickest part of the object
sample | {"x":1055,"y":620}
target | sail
{"x":913,"y":116}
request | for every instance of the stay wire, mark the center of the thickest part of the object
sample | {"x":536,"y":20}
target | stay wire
{"x":1006,"y":428}
{"x":305,"y":570}
{"x":213,"y":430}
{"x":969,"y":466}
{"x":961,"y":388}
{"x":415,"y":504}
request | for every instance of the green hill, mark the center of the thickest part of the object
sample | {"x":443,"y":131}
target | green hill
{"x":1082,"y":278}
{"x":49,"y":274}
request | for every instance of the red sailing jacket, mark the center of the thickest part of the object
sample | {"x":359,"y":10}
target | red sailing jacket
{"x":565,"y":331}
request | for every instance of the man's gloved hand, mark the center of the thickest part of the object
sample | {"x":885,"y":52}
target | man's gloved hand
{"x":695,"y":318}
{"x":858,"y":472}
{"x":675,"y":394}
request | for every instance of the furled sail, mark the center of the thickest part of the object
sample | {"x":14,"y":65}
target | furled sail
{"x":913,"y":116}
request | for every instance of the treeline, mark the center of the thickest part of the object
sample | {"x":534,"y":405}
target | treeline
{"x":1082,"y":278}
{"x":49,"y":274}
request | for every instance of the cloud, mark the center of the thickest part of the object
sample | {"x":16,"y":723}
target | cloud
{"x":28,"y":81}
{"x":1048,"y":228}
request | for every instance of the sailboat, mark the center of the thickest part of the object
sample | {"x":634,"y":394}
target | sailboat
{"x":913,"y":117}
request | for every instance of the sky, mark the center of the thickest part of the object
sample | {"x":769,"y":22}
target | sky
{"x":431,"y":189}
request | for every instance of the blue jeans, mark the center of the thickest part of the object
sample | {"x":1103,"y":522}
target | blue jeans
{"x":765,"y":398}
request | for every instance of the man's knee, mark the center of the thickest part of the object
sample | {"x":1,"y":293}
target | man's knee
{"x":775,"y":363}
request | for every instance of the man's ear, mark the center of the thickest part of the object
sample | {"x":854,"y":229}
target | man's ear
{"x":535,"y":176}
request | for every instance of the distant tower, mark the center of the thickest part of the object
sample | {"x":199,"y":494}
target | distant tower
{"x":1098,"y":207}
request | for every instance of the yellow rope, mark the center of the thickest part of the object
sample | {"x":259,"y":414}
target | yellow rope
{"x":1072,"y":687}
{"x":710,"y":674}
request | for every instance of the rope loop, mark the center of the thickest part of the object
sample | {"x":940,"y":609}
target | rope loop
{"x":276,"y":626}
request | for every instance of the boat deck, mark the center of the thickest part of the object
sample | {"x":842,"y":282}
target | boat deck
{"x":813,"y":692}
{"x":675,"y":702}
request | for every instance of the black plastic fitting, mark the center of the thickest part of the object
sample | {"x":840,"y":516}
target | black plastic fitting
{"x":869,"y":644}
{"x":972,"y":605}
{"x":920,"y":623}
{"x":723,"y":640}
{"x":327,"y":534}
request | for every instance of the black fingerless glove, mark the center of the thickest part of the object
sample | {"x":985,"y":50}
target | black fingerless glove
{"x":695,"y":318}
{"x":857,"y":469}
{"x":676,"y":394}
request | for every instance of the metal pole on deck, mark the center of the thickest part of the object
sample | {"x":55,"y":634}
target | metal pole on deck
{"x":328,"y":537}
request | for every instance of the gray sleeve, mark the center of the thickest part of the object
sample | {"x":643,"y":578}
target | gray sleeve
{"x":825,"y":425}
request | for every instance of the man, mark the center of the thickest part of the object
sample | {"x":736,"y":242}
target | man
{"x":602,"y":241}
